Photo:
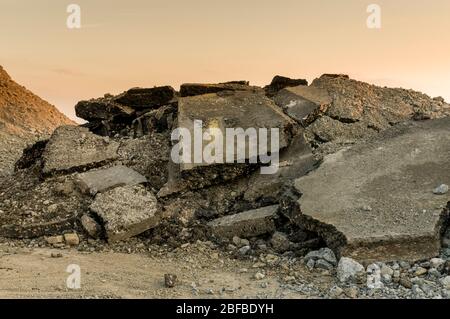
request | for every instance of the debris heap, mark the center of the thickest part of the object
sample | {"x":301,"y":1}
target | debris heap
{"x":357,"y":168}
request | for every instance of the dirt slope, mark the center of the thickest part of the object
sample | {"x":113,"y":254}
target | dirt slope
{"x":24,"y":117}
{"x":22,"y":112}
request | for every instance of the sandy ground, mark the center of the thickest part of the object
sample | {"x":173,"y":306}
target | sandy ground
{"x":34,"y":273}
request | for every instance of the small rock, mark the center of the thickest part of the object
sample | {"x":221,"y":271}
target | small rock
{"x":289,"y":279}
{"x":386,"y":270}
{"x":214,"y":256}
{"x":420,"y":271}
{"x":406,"y":282}
{"x":90,"y":226}
{"x":433,"y":272}
{"x":271,"y":259}
{"x":244,"y":250}
{"x":280,"y":242}
{"x":239,"y":242}
{"x":54,"y":240}
{"x":352,"y":292}
{"x":404,"y":265}
{"x":437,"y":263}
{"x":52,"y":209}
{"x":170,"y":280}
{"x":56,"y":255}
{"x":441,"y":190}
{"x":259,"y":276}
{"x":310,"y":264}
{"x":350,"y":271}
{"x":324,"y":253}
{"x":323,"y":264}
{"x":445,"y":282}
{"x":71,"y":239}
{"x":336,"y":291}
{"x":259,"y":265}
{"x":374,"y":277}
{"x":386,"y":278}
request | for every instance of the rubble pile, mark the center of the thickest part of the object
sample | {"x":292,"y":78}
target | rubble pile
{"x":359,"y":166}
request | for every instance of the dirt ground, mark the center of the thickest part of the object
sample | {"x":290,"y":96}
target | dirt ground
{"x":34,"y":273}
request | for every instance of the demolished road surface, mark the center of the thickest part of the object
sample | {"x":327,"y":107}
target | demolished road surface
{"x":375,"y":201}
{"x":126,"y":211}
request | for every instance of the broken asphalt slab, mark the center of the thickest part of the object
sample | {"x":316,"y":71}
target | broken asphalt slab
{"x":73,"y":148}
{"x":246,"y":224}
{"x":230,"y":110}
{"x":303,"y":103}
{"x":126,"y":211}
{"x":375,"y":201}
{"x":97,"y":181}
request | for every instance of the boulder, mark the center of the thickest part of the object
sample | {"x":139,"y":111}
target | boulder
{"x":73,"y":148}
{"x":97,"y":181}
{"x":246,"y":224}
{"x":126,"y":211}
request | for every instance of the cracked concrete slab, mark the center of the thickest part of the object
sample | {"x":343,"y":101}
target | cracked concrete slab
{"x":230,"y":110}
{"x":375,"y":201}
{"x":98,"y":181}
{"x":303,"y":103}
{"x":73,"y":148}
{"x":246,"y":224}
{"x":126,"y":211}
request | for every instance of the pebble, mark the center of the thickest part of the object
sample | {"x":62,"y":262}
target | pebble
{"x":350,"y":271}
{"x":310,"y":264}
{"x":445,"y":282}
{"x":352,"y":292}
{"x":214,"y":256}
{"x":437,"y":263}
{"x":72,"y":239}
{"x":52,"y":240}
{"x":441,"y":189}
{"x":336,"y":291}
{"x":405,"y":282}
{"x":322,"y":264}
{"x":244,"y":250}
{"x":259,"y":276}
{"x":289,"y":279}
{"x":420,"y":271}
{"x":170,"y":280}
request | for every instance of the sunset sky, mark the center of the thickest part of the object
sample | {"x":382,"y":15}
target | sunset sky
{"x":144,"y":43}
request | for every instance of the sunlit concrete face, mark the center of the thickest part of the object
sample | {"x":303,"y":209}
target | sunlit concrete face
{"x":123,"y":44}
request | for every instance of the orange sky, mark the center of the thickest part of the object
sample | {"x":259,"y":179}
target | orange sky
{"x":124,"y":44}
